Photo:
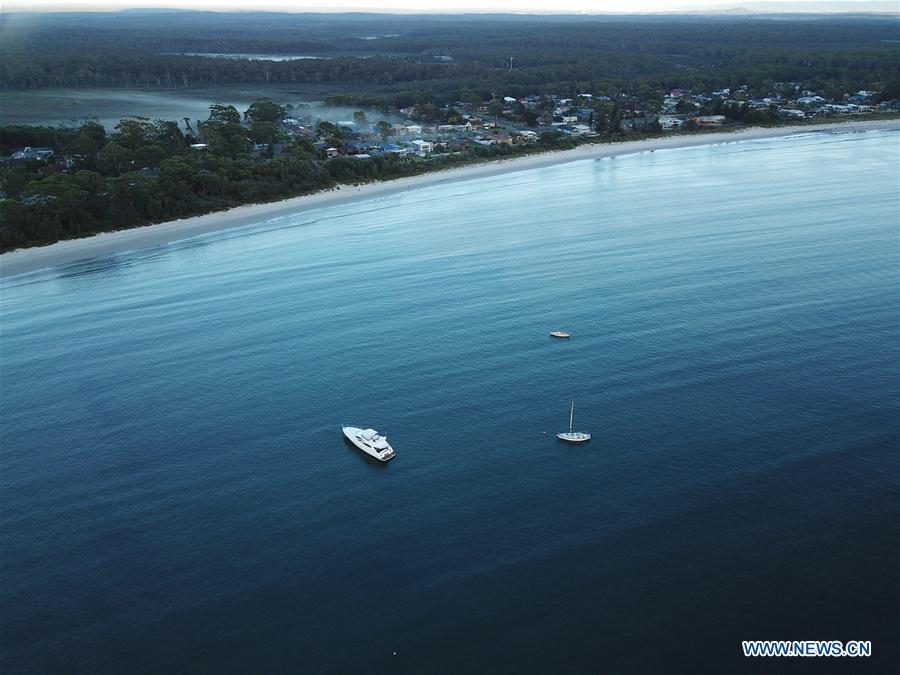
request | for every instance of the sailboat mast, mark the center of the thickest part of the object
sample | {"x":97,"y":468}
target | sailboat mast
{"x":571,"y":415}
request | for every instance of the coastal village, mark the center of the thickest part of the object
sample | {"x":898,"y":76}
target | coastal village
{"x":431,"y":131}
{"x":508,"y":121}
{"x":59,"y":182}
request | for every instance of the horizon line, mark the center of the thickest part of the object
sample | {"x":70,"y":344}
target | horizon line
{"x":733,"y":11}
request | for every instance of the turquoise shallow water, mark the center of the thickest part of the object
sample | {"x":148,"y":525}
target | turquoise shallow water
{"x":176,"y":494}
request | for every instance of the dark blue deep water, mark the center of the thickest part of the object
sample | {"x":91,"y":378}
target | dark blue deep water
{"x":177,"y":497}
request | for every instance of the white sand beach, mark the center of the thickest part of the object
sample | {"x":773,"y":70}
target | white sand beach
{"x":27,"y":260}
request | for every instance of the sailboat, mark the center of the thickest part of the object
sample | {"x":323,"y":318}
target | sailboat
{"x":573,"y":436}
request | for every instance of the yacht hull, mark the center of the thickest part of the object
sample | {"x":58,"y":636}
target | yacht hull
{"x":354,"y":435}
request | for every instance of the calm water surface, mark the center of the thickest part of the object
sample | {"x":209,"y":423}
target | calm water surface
{"x":177,"y":497}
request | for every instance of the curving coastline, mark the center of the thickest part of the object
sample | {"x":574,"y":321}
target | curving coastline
{"x":23,"y":261}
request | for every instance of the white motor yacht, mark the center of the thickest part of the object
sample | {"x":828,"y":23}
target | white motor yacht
{"x":370,"y":442}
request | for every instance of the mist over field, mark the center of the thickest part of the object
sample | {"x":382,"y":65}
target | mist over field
{"x":72,"y":107}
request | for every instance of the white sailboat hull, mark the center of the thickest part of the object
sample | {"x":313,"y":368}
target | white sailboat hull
{"x":573,"y":436}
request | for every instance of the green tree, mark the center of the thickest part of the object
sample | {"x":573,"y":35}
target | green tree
{"x":427,"y":112}
{"x":149,"y":155}
{"x":115,"y":158}
{"x":264,"y":116}
{"x":84,"y":146}
{"x":168,"y":134}
{"x":227,"y":114}
{"x":177,"y":171}
{"x":265,"y":132}
{"x":550,"y":137}
{"x":72,"y":200}
{"x":95,"y":131}
{"x":133,"y":132}
{"x":264,"y":110}
{"x":889,"y":91}
{"x":300,"y":147}
{"x":470,"y":96}
{"x":329,"y":132}
{"x":614,"y":122}
{"x":134,"y":193}
{"x":454,"y":117}
{"x":384,"y":129}
{"x":223,"y":132}
{"x":755,"y":116}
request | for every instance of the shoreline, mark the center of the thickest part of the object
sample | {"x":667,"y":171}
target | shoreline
{"x":23,"y":261}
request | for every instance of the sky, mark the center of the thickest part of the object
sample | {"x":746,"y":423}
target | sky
{"x":518,"y":6}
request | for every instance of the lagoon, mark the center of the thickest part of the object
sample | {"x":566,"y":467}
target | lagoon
{"x":254,"y":57}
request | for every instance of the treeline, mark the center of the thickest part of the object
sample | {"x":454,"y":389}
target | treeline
{"x":402,"y":82}
{"x":128,"y":70}
{"x":147,"y":172}
{"x":439,"y":54}
{"x":469,"y":37}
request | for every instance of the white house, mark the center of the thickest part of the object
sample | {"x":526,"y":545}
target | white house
{"x":709,"y":120}
{"x":32,"y":153}
{"x":667,"y":123}
{"x":423,"y":147}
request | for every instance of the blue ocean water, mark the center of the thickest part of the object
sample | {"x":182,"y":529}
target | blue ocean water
{"x":177,"y":497}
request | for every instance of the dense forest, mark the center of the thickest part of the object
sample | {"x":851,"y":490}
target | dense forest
{"x":442,"y":56}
